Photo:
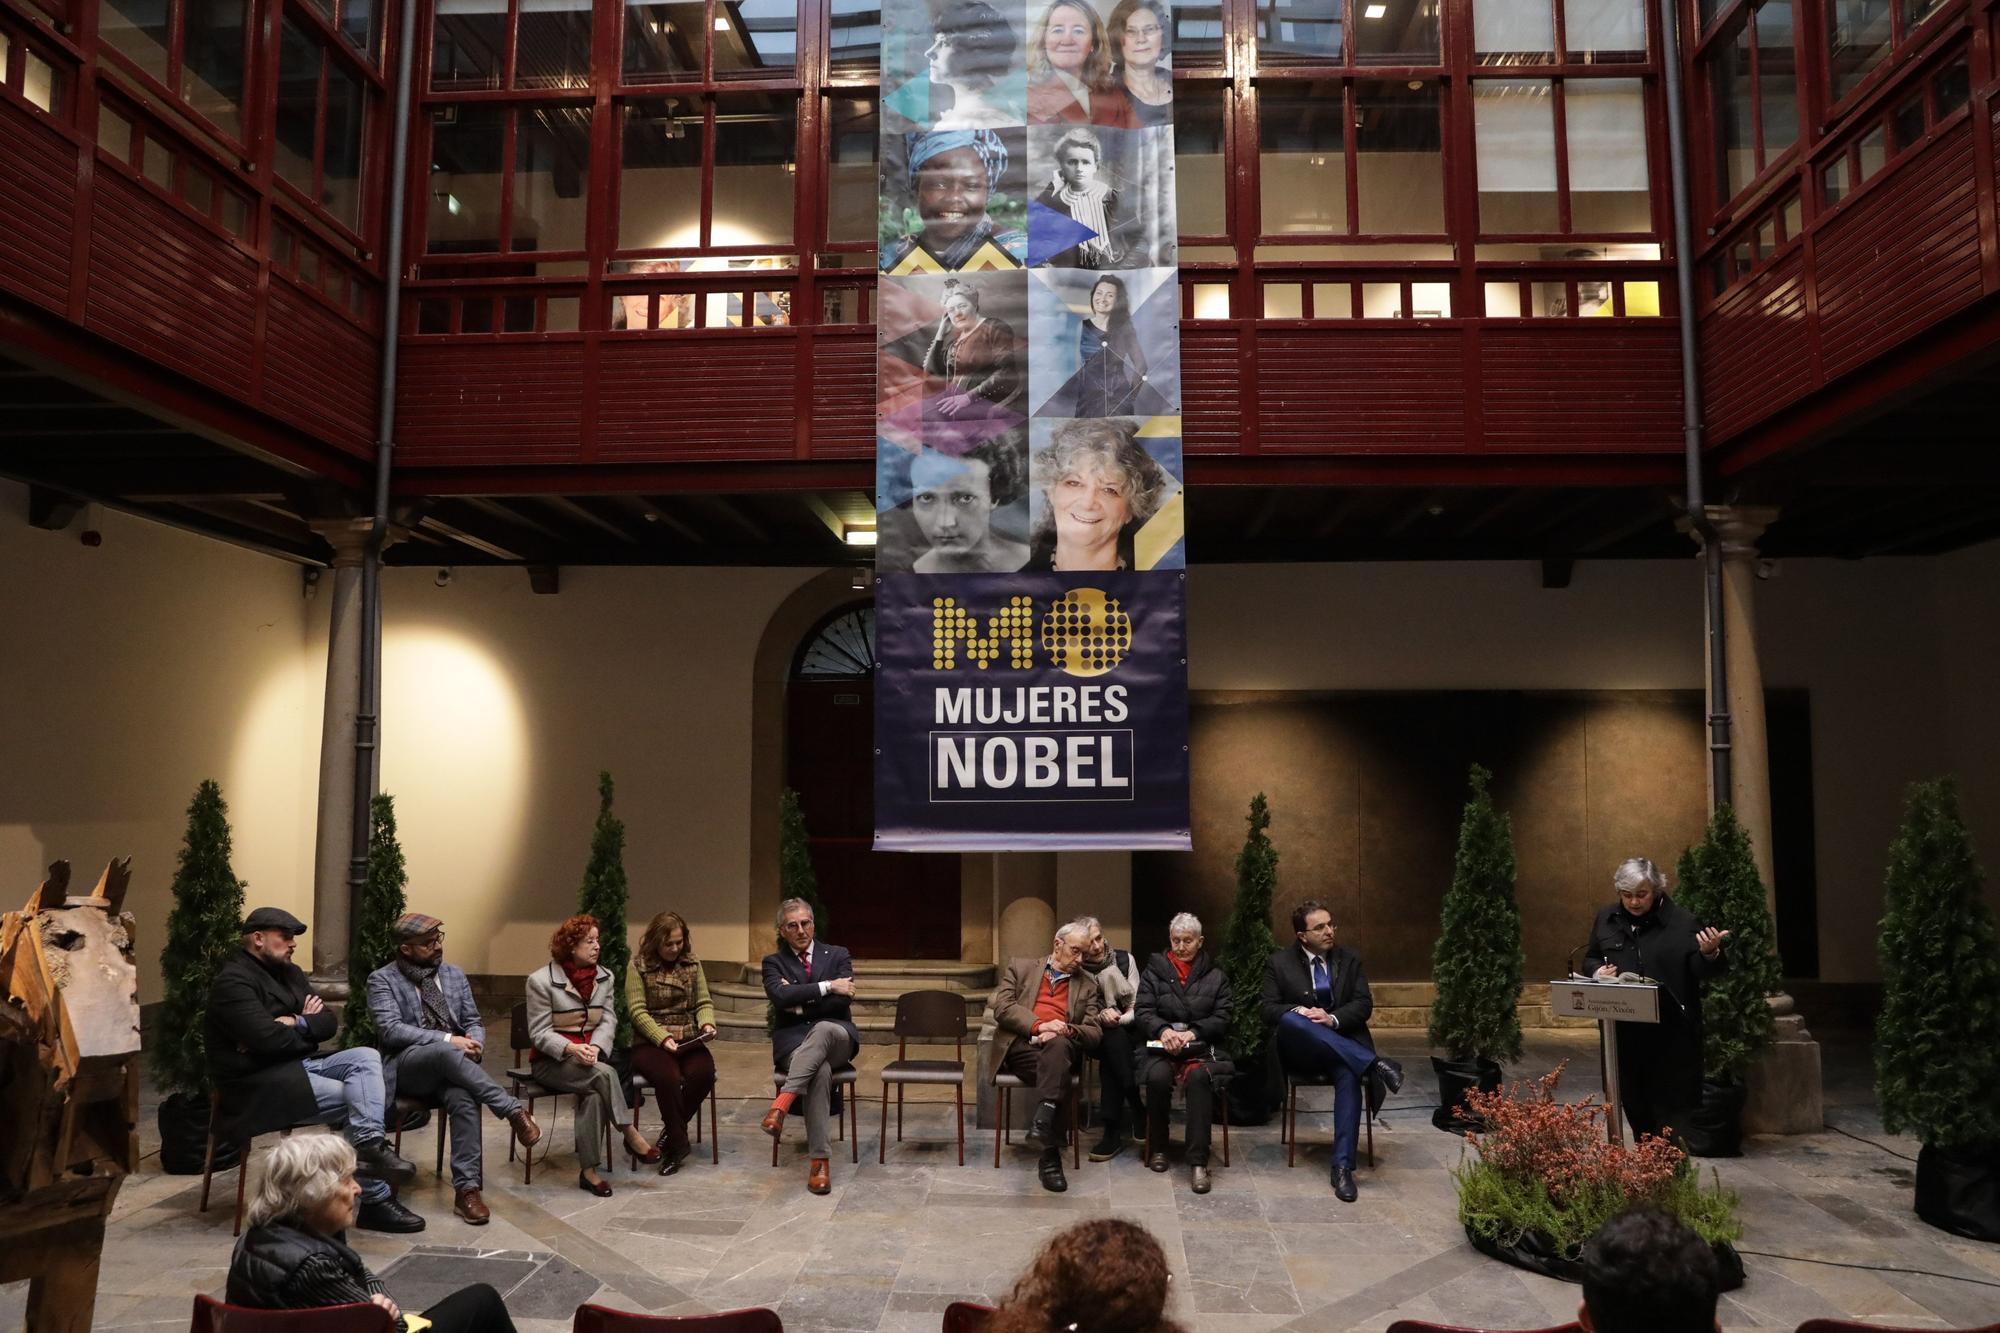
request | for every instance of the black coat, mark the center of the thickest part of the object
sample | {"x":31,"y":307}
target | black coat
{"x":1288,"y":985}
{"x":1202,"y":1005}
{"x":256,"y":1062}
{"x":1659,"y":946}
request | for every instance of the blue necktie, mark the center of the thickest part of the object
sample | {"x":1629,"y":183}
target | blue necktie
{"x":1322,"y":986}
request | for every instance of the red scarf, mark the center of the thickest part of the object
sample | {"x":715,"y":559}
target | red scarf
{"x":1180,"y":967}
{"x":583,"y":976}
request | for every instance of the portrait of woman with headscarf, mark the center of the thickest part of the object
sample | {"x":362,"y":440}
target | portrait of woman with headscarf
{"x":953,"y":177}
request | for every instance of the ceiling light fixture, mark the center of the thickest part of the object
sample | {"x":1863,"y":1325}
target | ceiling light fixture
{"x":854,"y":536}
{"x":721,"y":23}
{"x":1375,"y":12}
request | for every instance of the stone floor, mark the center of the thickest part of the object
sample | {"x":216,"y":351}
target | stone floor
{"x":1270,"y":1248}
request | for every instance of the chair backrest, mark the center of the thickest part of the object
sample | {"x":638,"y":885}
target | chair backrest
{"x":213,"y":1316}
{"x":926,"y":1014}
{"x":598,"y":1319}
{"x":1425,"y":1326}
{"x":517,"y":1022}
{"x":966,"y":1317}
{"x":1849,"y":1325}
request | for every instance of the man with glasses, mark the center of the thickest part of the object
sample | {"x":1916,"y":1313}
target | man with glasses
{"x":1317,"y":1001}
{"x":811,"y":987}
{"x":263,"y":1031}
{"x":1047,"y":1011}
{"x":428,"y":1028}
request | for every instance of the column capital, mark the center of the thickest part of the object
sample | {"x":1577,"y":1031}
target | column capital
{"x":349,"y":538}
{"x":1740,"y":527}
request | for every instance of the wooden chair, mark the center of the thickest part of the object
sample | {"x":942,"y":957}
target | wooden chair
{"x":1221,"y":1082}
{"x":597,"y":1319}
{"x":1006,"y":1083}
{"x":213,"y":1316}
{"x":967,"y":1317}
{"x":1288,"y":1130}
{"x":1856,"y":1326}
{"x":927,"y":1015}
{"x":1425,"y":1326}
{"x":641,"y":1087}
{"x":523,"y":1084}
{"x":415,"y":1112}
{"x":843,"y":1078}
{"x":242,"y":1158}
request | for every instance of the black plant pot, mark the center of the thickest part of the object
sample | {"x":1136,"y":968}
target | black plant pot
{"x":184,"y":1137}
{"x":1715,"y":1128}
{"x":1455,"y":1079}
{"x":1958,"y":1190}
{"x":1537,"y":1253}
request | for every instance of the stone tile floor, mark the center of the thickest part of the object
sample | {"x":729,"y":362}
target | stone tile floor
{"x":1270,"y":1248}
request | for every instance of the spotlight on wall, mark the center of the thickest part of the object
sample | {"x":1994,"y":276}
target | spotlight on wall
{"x":857,"y":536}
{"x":443,"y":578}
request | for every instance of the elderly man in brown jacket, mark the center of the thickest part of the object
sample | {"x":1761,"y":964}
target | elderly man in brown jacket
{"x":1046,"y":1009}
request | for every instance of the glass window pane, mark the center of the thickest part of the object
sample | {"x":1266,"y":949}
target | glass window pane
{"x":433,"y":315}
{"x":1548,"y":300}
{"x":663,"y":40}
{"x":137,"y":30}
{"x":114,"y":132}
{"x":1794,"y":218}
{"x":761,"y":36}
{"x":1599,"y":31}
{"x":517,"y":314}
{"x":1396,"y":32}
{"x":212,"y":62}
{"x":853,"y":135}
{"x":1777,"y":78}
{"x":1211,"y":300}
{"x":1857,"y":37}
{"x":236,"y":214}
{"x":469,"y":44}
{"x":41,"y":83}
{"x":309,"y":266}
{"x":1874,"y":152}
{"x":1515,"y":129}
{"x":1398,"y":159}
{"x":1767,"y":239}
{"x":6,"y":52}
{"x":1503,"y":300}
{"x":1298,"y":30}
{"x":756,"y":168}
{"x":855,"y":36}
{"x":158,"y":166}
{"x":1301,"y":165}
{"x":1916,"y":11}
{"x":475,"y":315}
{"x":1952,"y":88}
{"x":1201,"y":189}
{"x":361,"y":25}
{"x":1509,"y":32}
{"x":464,"y":209}
{"x":1197,"y":35}
{"x":1283,"y":300}
{"x":1641,"y":299}
{"x":1906,"y":124}
{"x":554,"y":49}
{"x":1430,"y":300}
{"x":346,"y":124}
{"x":659,"y":186}
{"x":559,"y":314}
{"x":1381,"y":300}
{"x":551,"y":178}
{"x":1606,"y":122}
{"x":1729,"y":109}
{"x":1333,"y":300}
{"x":298,"y":106}
{"x":198,"y":188}
{"x":839,"y":305}
{"x":1833,"y":181}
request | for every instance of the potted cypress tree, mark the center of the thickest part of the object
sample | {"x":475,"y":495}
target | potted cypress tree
{"x":604,"y":896}
{"x":1246,"y":949}
{"x":382,"y":901}
{"x":1477,"y":962}
{"x":203,"y":929}
{"x":1720,"y":885}
{"x":1937,"y":1043}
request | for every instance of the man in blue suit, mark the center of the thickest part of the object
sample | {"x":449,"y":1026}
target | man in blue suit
{"x":811,"y":986}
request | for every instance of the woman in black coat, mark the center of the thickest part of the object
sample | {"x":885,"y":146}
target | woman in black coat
{"x":1183,"y":1010}
{"x":1648,"y":934}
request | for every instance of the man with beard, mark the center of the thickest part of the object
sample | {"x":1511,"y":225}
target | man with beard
{"x":428,"y":1026}
{"x":1117,"y":975}
{"x":264,"y":1028}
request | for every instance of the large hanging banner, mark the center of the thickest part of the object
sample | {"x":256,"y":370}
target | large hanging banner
{"x":1030,"y":614}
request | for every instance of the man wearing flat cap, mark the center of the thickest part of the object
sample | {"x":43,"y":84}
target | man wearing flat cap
{"x":431,"y":1038}
{"x":263,"y":1030}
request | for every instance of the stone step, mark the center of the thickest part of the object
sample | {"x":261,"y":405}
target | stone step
{"x":905,"y":974}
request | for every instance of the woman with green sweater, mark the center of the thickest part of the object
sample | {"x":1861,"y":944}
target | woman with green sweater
{"x":673,"y":1019}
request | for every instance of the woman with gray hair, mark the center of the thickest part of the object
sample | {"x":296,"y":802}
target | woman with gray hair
{"x":1184,"y":1008}
{"x":1099,"y":486}
{"x":1646,"y":934}
{"x":295,"y":1256}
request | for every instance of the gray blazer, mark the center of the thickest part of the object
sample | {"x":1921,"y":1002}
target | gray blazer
{"x":554,"y":1008}
{"x":399,"y":1011}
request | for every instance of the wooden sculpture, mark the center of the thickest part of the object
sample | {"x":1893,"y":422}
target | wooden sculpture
{"x":69,"y":1089}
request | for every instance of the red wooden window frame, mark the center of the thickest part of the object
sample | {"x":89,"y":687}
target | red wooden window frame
{"x":1741,"y":15}
{"x":1559,"y":101}
{"x":252,"y":108}
{"x":21,"y":42}
{"x":145,"y":149}
{"x":334,"y":50}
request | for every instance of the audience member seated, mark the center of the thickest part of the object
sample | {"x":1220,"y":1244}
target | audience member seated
{"x":811,"y":987}
{"x":1117,"y":975}
{"x":673,"y":1019}
{"x":263,"y":1030}
{"x":427,"y":1026}
{"x":1317,"y":1001}
{"x":295,"y":1255}
{"x":1647,"y":1272}
{"x":1106,"y":1275}
{"x":1047,"y":1011}
{"x":572,"y":1020}
{"x":1184,"y":1007}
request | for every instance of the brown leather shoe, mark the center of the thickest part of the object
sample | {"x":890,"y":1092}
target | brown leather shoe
{"x":774,"y":1122}
{"x":526,"y":1132}
{"x":468,"y":1205}
{"x":820,"y":1179}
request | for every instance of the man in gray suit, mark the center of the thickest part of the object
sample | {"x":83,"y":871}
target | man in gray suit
{"x":428,"y":1028}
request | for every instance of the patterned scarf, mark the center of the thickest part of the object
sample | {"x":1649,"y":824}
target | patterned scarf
{"x":437,"y":1014}
{"x":1086,"y":208}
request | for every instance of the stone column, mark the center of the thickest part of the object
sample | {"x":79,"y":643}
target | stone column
{"x":335,"y":842}
{"x":1024,"y":896}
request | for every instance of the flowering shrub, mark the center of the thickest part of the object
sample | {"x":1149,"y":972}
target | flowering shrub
{"x":1545,"y":1166}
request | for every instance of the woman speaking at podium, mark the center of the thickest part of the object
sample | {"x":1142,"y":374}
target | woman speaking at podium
{"x":1646,"y":934}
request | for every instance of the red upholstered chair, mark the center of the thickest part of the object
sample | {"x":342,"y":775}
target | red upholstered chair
{"x":966,"y":1317}
{"x":597,"y":1319}
{"x":1424,"y":1326}
{"x":213,"y":1316}
{"x":1854,"y":1325}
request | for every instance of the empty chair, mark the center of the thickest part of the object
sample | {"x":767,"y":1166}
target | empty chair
{"x":967,"y":1317}
{"x":213,"y":1316}
{"x":597,"y":1319}
{"x":927,"y":1015}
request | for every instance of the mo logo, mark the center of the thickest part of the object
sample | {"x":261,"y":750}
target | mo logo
{"x":1082,"y":632}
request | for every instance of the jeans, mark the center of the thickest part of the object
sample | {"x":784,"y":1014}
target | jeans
{"x":347,"y":1092}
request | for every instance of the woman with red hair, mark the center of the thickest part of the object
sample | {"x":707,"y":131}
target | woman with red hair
{"x":571,"y":1021}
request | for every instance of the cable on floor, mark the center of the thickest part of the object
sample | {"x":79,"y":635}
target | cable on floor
{"x":1870,"y":1142}
{"x":1873,"y":1268}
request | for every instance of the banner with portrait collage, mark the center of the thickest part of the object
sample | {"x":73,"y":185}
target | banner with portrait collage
{"x":1030,"y":614}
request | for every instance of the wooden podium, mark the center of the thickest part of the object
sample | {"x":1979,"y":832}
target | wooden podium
{"x":1610,"y":1003}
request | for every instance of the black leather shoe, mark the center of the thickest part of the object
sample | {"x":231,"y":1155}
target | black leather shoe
{"x":1109,"y":1146}
{"x":388,"y":1215}
{"x":600,"y":1187}
{"x":1051,"y":1171}
{"x":379,"y":1161}
{"x":1042,"y":1129}
{"x":1198,"y":1179}
{"x":1343,"y":1184}
{"x":1158,"y":1162}
{"x":1390,"y":1073}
